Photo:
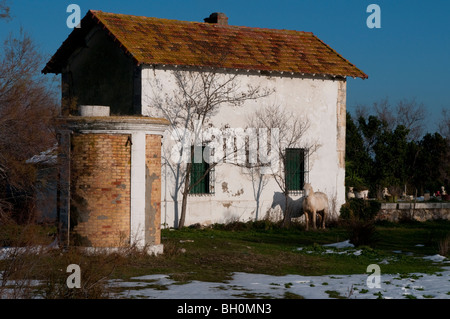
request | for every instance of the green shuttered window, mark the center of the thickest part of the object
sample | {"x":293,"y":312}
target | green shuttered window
{"x":295,"y":169}
{"x":198,"y":183}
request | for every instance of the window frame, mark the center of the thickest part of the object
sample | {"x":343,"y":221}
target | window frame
{"x":303,"y":164}
{"x":206,"y":185}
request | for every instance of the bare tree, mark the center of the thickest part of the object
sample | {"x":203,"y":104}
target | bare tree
{"x":189,"y":107}
{"x":444,"y":125}
{"x":407,"y":112}
{"x":27,"y":107}
{"x":4,"y":10}
{"x":290,"y":133}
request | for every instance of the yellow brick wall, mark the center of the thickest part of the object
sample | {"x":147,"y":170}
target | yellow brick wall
{"x":100,"y":190}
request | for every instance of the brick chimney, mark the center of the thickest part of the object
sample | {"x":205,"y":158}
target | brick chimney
{"x":218,"y":18}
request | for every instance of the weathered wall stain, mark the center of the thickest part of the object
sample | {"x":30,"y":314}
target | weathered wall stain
{"x":150,"y":208}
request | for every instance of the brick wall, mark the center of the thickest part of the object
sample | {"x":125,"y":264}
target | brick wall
{"x":100,"y":190}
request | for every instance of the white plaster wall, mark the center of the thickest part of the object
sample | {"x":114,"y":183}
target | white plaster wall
{"x":234,"y":196}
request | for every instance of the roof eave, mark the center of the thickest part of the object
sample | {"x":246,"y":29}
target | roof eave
{"x":358,"y":74}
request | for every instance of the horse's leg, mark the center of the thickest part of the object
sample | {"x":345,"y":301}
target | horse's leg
{"x":314,"y":219}
{"x":325,"y":214}
{"x":306,"y":220}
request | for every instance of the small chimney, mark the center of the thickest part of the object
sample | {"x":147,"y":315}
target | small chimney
{"x":218,"y":18}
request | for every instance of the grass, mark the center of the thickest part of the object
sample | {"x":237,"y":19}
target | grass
{"x":406,"y":236}
{"x":334,"y":294}
{"x":213,"y":254}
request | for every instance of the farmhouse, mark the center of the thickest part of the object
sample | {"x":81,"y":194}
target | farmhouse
{"x":133,"y":65}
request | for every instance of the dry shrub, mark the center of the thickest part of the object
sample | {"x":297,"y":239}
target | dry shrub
{"x":361,"y":232}
{"x":358,"y":217}
{"x":29,"y":272}
{"x":444,"y":245}
{"x":20,"y":260}
{"x":33,"y":267}
{"x":95,"y":272}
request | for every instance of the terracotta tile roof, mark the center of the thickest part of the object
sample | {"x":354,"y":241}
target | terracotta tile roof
{"x":172,"y":42}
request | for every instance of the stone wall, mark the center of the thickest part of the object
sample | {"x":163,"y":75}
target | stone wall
{"x":416,"y":211}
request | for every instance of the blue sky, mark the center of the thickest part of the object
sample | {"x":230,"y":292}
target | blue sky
{"x":408,"y":57}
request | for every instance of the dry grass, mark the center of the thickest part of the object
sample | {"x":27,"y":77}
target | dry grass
{"x":34,"y":271}
{"x":32,"y":267}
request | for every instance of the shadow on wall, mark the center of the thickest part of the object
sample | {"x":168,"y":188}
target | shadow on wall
{"x":279,"y":205}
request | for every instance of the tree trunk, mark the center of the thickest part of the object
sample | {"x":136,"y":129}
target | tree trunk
{"x":287,"y":211}
{"x":185,"y":196}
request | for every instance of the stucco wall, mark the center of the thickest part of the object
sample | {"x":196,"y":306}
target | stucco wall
{"x":320,"y":100}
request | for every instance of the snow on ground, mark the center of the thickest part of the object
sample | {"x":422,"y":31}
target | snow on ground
{"x":245,"y":285}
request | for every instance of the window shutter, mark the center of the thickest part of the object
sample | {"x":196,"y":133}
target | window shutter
{"x":295,"y":169}
{"x":197,"y":172}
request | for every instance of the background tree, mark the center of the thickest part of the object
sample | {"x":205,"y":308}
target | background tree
{"x":382,"y":152}
{"x":407,"y":112}
{"x":27,"y":108}
{"x":444,"y":125}
{"x":358,"y":163}
{"x":386,"y":150}
{"x":432,"y":165}
{"x":4,"y":10}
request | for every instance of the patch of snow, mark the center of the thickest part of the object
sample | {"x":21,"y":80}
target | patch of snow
{"x":358,"y":252}
{"x":435,"y":258}
{"x":342,"y":244}
{"x":8,"y":252}
{"x":49,"y":157}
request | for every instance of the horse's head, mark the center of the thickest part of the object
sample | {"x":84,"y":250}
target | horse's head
{"x":308,"y":189}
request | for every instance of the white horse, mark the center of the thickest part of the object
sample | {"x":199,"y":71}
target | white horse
{"x":314,"y":203}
